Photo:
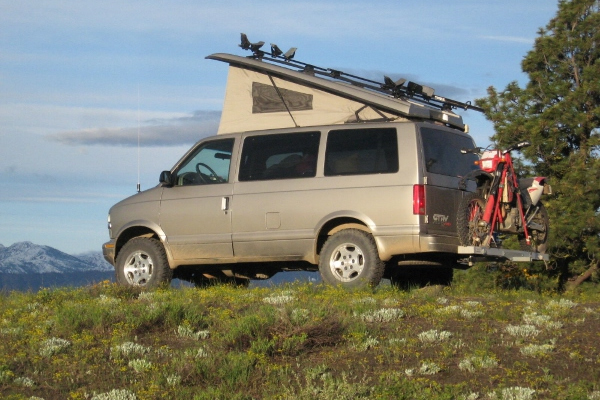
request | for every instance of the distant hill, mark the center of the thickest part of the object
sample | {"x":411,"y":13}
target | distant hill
{"x":28,"y":266}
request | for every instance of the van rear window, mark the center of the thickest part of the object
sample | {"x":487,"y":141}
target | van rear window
{"x":441,"y":150}
{"x":361,"y":151}
{"x":280,"y":156}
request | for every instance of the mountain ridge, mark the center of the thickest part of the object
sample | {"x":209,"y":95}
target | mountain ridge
{"x":29,"y":258}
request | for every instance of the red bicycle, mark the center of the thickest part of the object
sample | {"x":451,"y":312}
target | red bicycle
{"x":500,"y":206}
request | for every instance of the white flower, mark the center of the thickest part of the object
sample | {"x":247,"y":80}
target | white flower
{"x":129,"y":348}
{"x":53,"y":346}
{"x":381,"y":315}
{"x":115,"y":394}
{"x":524,"y":331}
{"x":434,"y":336}
{"x":140,"y":365}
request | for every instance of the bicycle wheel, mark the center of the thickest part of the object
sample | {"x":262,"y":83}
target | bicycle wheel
{"x":471,"y":229}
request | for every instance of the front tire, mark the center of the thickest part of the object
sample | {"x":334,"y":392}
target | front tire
{"x":142,"y":263}
{"x":349,"y":258}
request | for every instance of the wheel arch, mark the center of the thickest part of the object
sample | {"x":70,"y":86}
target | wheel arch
{"x":337,"y":223}
{"x":138,"y":230}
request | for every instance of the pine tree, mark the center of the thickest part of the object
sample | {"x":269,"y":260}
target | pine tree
{"x":559,"y":113}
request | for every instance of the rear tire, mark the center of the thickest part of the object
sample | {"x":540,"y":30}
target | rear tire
{"x":470,"y":214}
{"x":142,"y":263}
{"x":349,"y":258}
{"x":539,"y":239}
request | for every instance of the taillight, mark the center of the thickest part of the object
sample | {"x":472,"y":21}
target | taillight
{"x":419,"y":199}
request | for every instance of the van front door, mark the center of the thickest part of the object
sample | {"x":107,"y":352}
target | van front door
{"x":195,"y":212}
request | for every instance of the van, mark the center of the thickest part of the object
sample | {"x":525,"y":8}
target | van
{"x":311,"y":168}
{"x":352,"y":200}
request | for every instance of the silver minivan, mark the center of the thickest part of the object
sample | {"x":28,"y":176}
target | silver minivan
{"x":355,"y":201}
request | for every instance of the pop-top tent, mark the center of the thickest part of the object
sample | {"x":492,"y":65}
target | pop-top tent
{"x":269,"y":91}
{"x":253,"y":101}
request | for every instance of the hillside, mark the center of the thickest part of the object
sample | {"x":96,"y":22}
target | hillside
{"x":299,"y":341}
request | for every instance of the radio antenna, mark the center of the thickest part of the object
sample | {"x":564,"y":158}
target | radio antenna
{"x":138,"y":141}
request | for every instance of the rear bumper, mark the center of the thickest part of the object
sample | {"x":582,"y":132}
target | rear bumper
{"x":108,"y":251}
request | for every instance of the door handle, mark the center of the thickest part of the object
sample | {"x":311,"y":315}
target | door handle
{"x":225,"y":204}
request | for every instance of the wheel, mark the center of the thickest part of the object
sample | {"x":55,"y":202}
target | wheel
{"x":471,"y":229}
{"x":142,"y":262}
{"x":350,"y":258}
{"x":539,"y":238}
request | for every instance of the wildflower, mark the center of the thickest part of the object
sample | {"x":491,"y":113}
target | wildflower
{"x":381,"y":315}
{"x":472,"y":363}
{"x":299,"y":315}
{"x":561,"y":304}
{"x":428,"y":368}
{"x":53,"y":346}
{"x":433,"y":336}
{"x":140,"y":365}
{"x":116,"y":394}
{"x":448,"y":310}
{"x":364,"y":300}
{"x":279,"y":300}
{"x":522,"y":330}
{"x":173,"y":380}
{"x":186,"y":331}
{"x":24,"y":381}
{"x":517,"y":393}
{"x":536,"y":350}
{"x":129,"y":348}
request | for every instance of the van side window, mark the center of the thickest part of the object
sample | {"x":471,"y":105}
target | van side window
{"x":361,"y":151}
{"x":280,"y":156}
{"x":441,"y":151}
{"x":207,"y":165}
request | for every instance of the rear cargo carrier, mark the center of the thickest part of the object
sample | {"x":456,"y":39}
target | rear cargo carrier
{"x":482,"y":254}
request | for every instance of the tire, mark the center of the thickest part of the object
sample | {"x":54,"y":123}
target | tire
{"x":539,"y":239}
{"x":349,"y":258}
{"x":142,"y":263}
{"x":470,"y":213}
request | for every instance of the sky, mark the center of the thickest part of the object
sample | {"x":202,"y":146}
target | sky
{"x":81,"y":80}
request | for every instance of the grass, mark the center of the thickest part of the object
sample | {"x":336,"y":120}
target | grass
{"x":298,"y":341}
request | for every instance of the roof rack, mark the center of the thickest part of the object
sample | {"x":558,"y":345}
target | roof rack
{"x":398,"y":89}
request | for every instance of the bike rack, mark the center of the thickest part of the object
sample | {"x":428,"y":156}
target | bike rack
{"x":479,"y":254}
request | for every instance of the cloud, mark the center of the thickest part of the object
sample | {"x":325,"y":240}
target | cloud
{"x":511,"y":39}
{"x":155,"y":132}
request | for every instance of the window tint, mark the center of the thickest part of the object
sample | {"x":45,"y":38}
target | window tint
{"x":361,"y":151}
{"x":442,"y":154}
{"x":207,"y":165}
{"x":280,"y":156}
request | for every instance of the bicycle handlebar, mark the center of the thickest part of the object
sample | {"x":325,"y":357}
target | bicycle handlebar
{"x":478,"y":150}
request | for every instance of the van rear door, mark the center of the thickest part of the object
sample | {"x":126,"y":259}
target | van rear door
{"x":443,"y":166}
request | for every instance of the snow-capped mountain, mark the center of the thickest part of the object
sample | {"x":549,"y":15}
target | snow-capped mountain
{"x":30,"y":258}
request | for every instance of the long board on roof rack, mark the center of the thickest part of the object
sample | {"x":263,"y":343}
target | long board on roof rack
{"x":285,"y":92}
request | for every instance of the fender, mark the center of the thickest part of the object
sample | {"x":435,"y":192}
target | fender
{"x":477,"y":175}
{"x":535,"y":187}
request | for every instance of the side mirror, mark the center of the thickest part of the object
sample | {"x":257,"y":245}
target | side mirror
{"x":166,"y":178}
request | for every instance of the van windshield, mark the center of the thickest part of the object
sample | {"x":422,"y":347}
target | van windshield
{"x":441,"y":151}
